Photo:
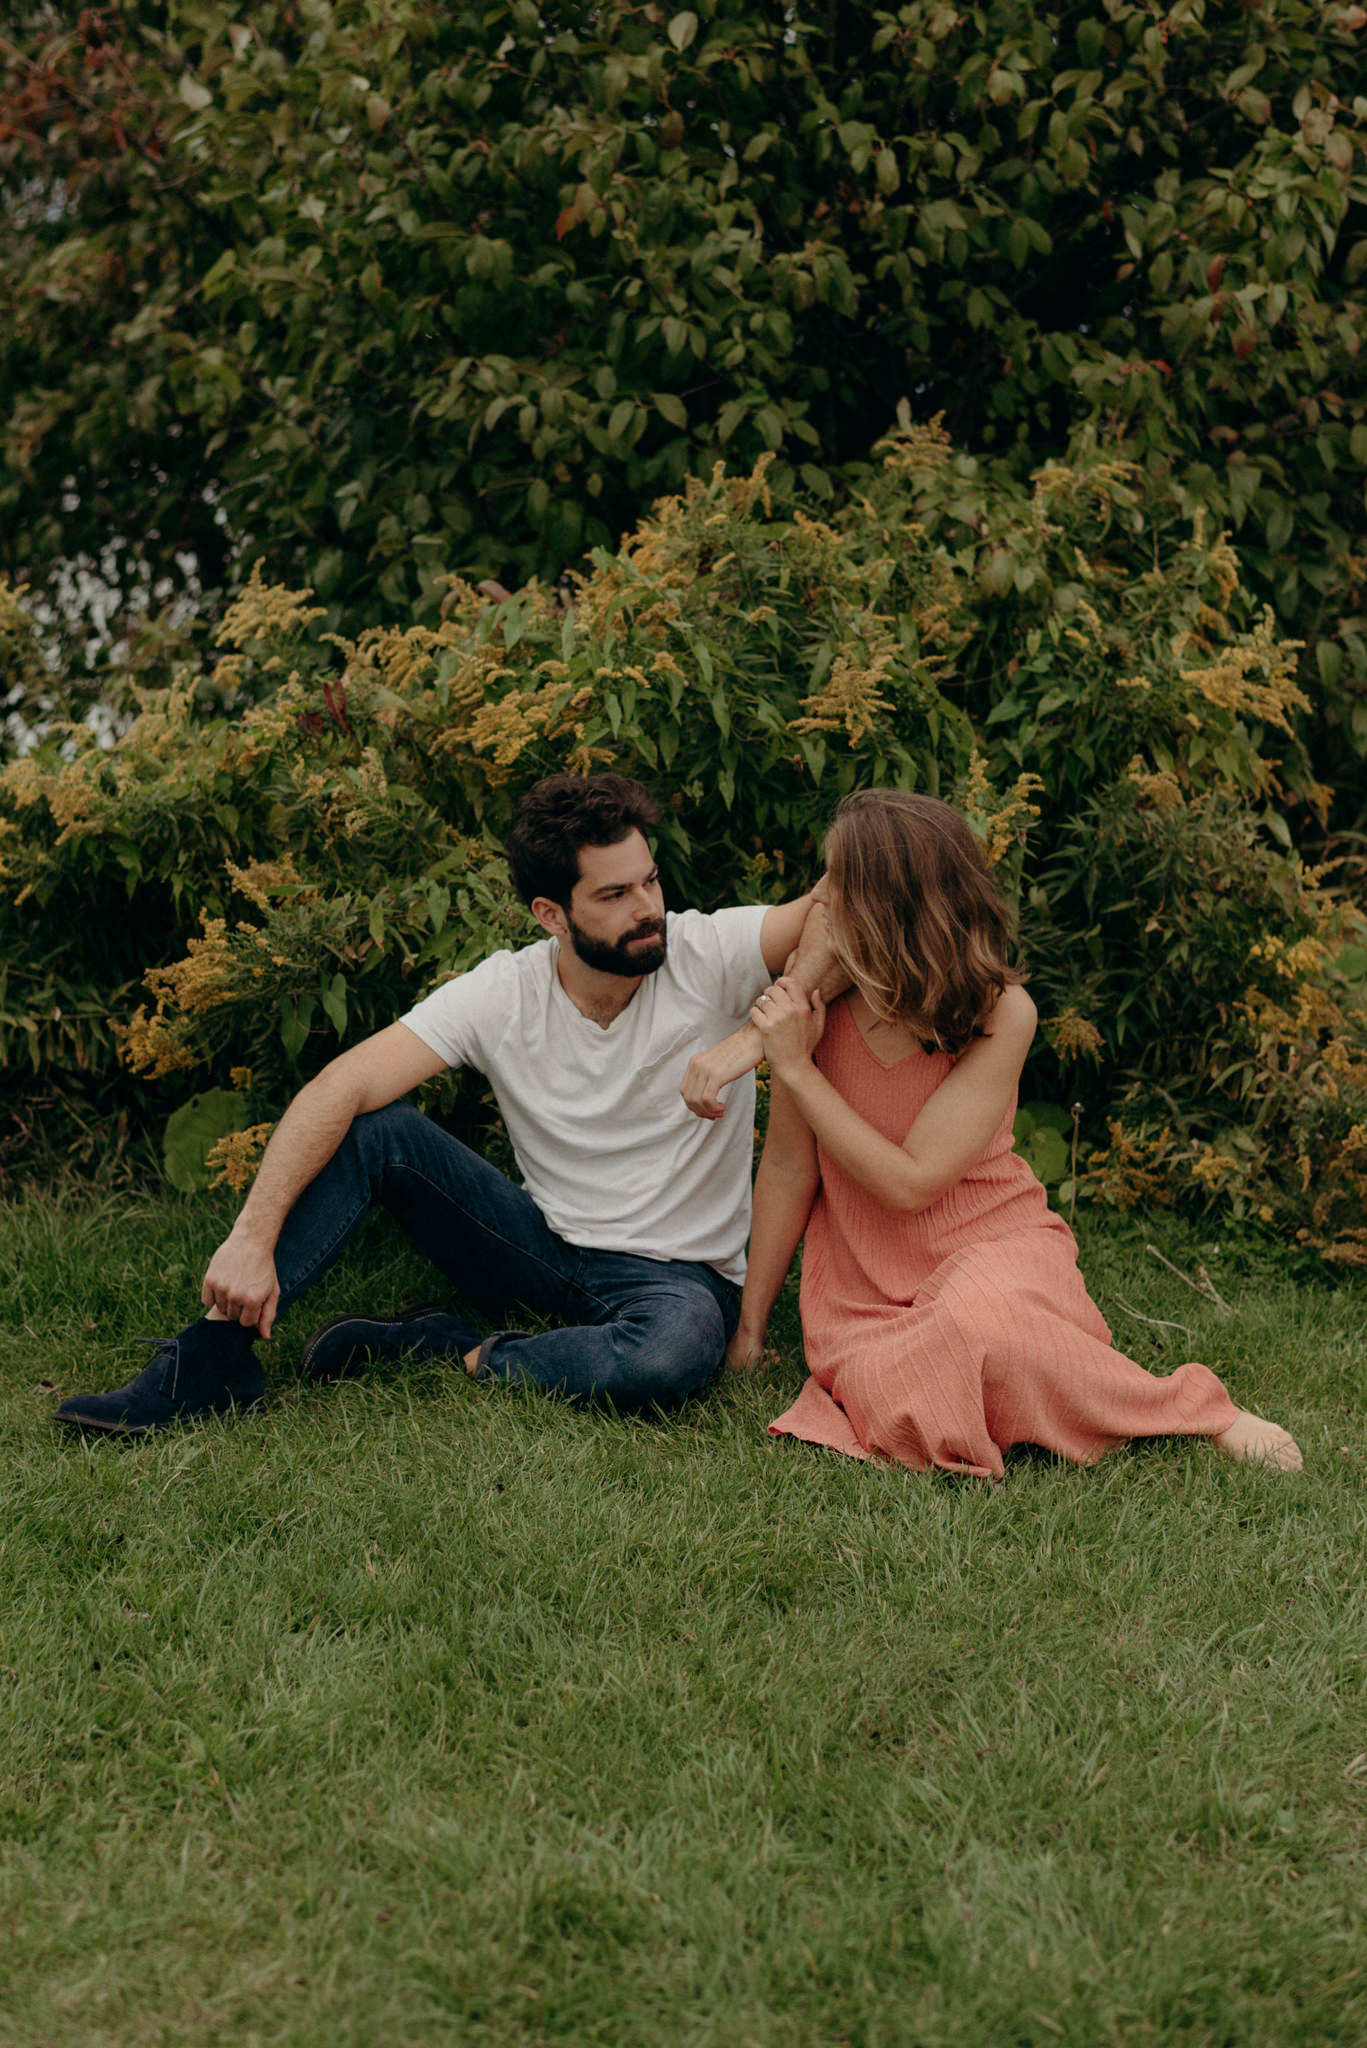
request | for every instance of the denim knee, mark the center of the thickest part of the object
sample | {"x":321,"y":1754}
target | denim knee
{"x":387,"y":1131}
{"x":682,"y":1343}
{"x":655,"y":1351}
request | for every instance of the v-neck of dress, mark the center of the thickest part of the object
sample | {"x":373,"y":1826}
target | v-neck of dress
{"x":887,"y":1066}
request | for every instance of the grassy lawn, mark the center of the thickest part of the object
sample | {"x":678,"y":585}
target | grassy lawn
{"x":413,"y":1712}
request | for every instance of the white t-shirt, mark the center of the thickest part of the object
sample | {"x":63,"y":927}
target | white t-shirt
{"x":606,"y":1147}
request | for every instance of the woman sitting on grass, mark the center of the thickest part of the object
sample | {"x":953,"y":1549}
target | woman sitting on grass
{"x":943,"y":1314}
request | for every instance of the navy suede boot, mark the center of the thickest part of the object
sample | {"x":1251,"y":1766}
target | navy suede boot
{"x":207,"y":1369}
{"x":346,"y":1344}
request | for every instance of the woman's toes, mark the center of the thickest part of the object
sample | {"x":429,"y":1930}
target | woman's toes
{"x":1250,"y":1439}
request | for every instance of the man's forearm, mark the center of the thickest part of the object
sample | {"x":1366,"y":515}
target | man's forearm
{"x":301,"y":1145}
{"x":814,"y":961}
{"x":814,"y":964}
{"x":241,"y":1284}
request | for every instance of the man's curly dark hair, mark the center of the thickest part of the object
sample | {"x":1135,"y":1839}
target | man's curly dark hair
{"x":560,"y":814}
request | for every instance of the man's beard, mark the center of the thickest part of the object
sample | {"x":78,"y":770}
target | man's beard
{"x":621,"y":957}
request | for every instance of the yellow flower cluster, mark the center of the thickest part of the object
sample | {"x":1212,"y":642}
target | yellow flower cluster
{"x":260,"y":881}
{"x":1100,"y":481}
{"x":157,"y":1044}
{"x":1000,"y":823}
{"x":153,"y":1046}
{"x":1212,"y":1169}
{"x":265,"y":611}
{"x":915,"y":445}
{"x":1071,"y":1035}
{"x":158,"y":731}
{"x":21,"y":662}
{"x":1219,"y":559}
{"x":265,"y":730}
{"x":503,"y":728}
{"x":1253,"y":679}
{"x":1156,"y":786}
{"x":1132,"y":1169}
{"x":1006,"y":826}
{"x":1290,"y":961}
{"x":851,"y":699}
{"x":657,"y":564}
{"x":237,"y":1157}
{"x":23,"y":782}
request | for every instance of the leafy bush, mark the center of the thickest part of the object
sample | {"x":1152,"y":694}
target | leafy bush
{"x":1074,"y":663}
{"x":379,"y":293}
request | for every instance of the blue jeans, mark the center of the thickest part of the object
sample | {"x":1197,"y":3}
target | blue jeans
{"x":641,"y":1331}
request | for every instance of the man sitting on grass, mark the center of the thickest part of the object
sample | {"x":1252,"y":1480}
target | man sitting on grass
{"x":630,"y":1229}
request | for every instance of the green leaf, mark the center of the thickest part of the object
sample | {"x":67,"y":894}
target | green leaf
{"x":670,"y":407}
{"x":193,"y":1129}
{"x":1329,"y":661}
{"x":1047,"y":1116}
{"x":682,"y":30}
{"x":1046,"y":1154}
{"x":732,"y":413}
{"x":296,"y":1014}
{"x":334,"y":1004}
{"x":769,"y":420}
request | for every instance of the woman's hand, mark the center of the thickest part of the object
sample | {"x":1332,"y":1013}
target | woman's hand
{"x":746,"y":1352}
{"x":789,"y":1022}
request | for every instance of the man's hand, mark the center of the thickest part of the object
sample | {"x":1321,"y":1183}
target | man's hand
{"x":241,"y":1284}
{"x":707,"y":1073}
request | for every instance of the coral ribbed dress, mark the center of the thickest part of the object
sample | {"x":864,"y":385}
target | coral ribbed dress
{"x":945,"y":1337}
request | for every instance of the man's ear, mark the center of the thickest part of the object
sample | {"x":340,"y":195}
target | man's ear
{"x":550,"y":916}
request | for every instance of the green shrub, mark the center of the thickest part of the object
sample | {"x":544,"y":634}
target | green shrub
{"x":381,"y":292}
{"x":1073,"y":663}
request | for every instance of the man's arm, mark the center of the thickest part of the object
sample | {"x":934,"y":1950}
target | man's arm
{"x":813,"y":964}
{"x":781,"y":931}
{"x":240,"y":1285}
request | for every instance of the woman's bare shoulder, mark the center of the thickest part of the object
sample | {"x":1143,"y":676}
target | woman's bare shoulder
{"x":1014,"y":1015}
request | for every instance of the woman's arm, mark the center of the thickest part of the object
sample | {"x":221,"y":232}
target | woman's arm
{"x":814,"y":964}
{"x":785,"y":1188}
{"x":951,"y":1133}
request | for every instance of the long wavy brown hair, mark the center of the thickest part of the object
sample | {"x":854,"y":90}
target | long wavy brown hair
{"x":916,"y":916}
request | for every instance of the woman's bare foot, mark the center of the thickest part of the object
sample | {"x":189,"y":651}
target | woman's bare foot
{"x":1261,"y":1443}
